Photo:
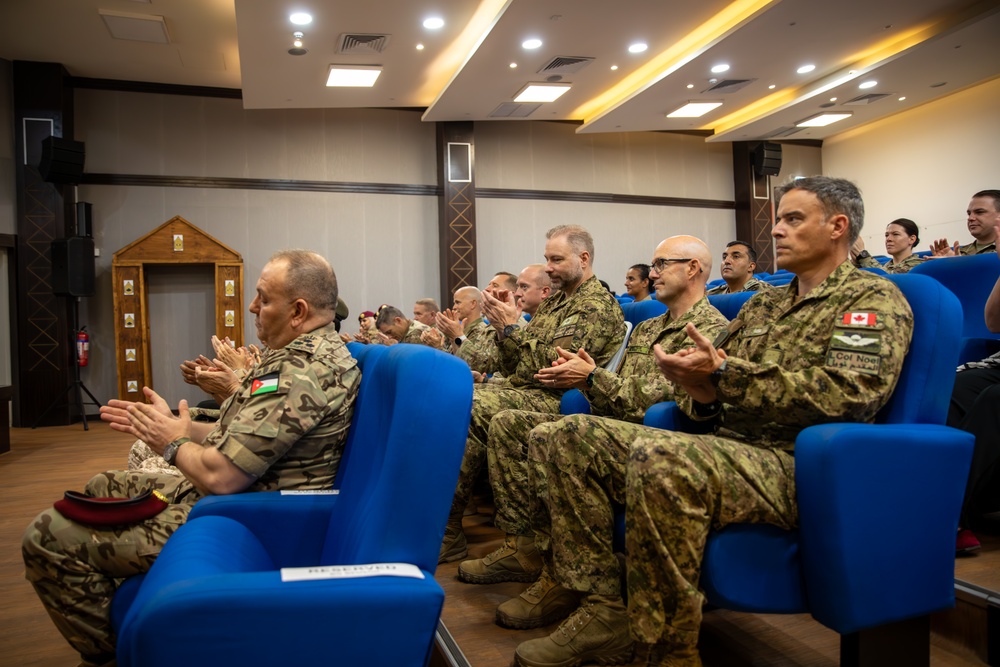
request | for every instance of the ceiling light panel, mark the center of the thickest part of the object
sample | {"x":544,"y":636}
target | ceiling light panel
{"x":694,"y":109}
{"x":541,"y":92}
{"x":353,"y":76}
{"x":823,"y":119}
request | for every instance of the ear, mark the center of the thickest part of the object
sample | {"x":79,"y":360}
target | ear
{"x":840,"y":226}
{"x":585,"y":258}
{"x":300,"y":311}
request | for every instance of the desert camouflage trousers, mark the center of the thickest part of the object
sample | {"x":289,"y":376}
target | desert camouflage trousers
{"x":74,"y":567}
{"x":487,"y":401}
{"x":677,"y":488}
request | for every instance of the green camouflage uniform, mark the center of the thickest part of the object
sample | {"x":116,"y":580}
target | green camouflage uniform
{"x":413,"y":334}
{"x":890,"y":266}
{"x":479,"y":349}
{"x":590,"y":319}
{"x":752,"y":285}
{"x":975,"y":249}
{"x":624,"y":395}
{"x":73,"y":567}
{"x":793,"y":362}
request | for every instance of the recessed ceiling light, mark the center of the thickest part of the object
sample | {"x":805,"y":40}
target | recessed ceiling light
{"x":614,"y":68}
{"x":805,"y":69}
{"x":867,"y":84}
{"x":541,"y":92}
{"x":420,"y":47}
{"x":823,"y":119}
{"x":513,"y":65}
{"x":353,"y":76}
{"x":902,"y":98}
{"x":532,"y":43}
{"x":434,"y":23}
{"x":301,"y":18}
{"x":638,"y":47}
{"x":833,"y":99}
{"x":771,"y":87}
{"x":690,"y":85}
{"x":694,"y":109}
{"x":719,"y":69}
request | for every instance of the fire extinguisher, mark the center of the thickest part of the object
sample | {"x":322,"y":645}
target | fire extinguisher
{"x":82,"y":346}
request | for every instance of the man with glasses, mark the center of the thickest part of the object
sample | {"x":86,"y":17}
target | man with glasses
{"x":829,"y":347}
{"x":739,"y":261}
{"x":680,"y":267}
{"x":580,"y":314}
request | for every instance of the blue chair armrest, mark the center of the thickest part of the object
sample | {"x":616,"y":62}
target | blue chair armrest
{"x":298,"y":522}
{"x":668,"y":416}
{"x":891,"y":489}
{"x":573,"y":402}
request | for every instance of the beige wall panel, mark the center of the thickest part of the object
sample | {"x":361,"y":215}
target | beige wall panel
{"x":304,"y":130}
{"x":140,"y":140}
{"x":371,"y":145}
{"x":500,"y":149}
{"x":923,"y":164}
{"x":225,"y":138}
{"x":186,"y":134}
{"x":96,"y":116}
{"x":267,"y":151}
{"x":798,"y":161}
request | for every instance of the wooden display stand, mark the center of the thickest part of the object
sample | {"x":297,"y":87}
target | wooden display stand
{"x":176,"y":241}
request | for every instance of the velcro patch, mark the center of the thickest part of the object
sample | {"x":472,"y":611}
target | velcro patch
{"x":856,"y":341}
{"x":638,"y":349}
{"x":565,"y":332}
{"x":863,"y":319}
{"x":572,"y":319}
{"x":859,"y":362}
{"x":265,"y":384}
{"x":772,"y":357}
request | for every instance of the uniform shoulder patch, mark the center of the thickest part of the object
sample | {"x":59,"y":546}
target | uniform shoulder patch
{"x":265,"y":384}
{"x":860,"y":319}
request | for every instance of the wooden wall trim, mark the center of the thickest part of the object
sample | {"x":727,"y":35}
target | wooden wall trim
{"x":603,"y":198}
{"x":155,"y":88}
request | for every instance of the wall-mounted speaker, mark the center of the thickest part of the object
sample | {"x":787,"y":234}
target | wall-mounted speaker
{"x":62,"y":160}
{"x":767,"y":159}
{"x":84,"y":219}
{"x":72,"y":266}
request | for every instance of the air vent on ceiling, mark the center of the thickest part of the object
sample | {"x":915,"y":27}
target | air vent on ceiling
{"x":362,"y":43}
{"x":565,"y":65}
{"x":862,"y":100}
{"x":729,"y":85}
{"x":514,"y":110}
{"x":786,"y":131}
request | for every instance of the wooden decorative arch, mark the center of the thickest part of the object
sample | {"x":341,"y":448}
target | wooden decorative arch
{"x":175,"y":242}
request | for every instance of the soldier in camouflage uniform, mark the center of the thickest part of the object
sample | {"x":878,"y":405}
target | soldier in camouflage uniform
{"x":829,"y":347}
{"x":283,"y":429}
{"x":684,"y":263}
{"x":982,"y":216}
{"x":901,"y":235}
{"x":395,"y":328}
{"x":581,"y":314}
{"x":739,"y":261}
{"x":474,"y":342}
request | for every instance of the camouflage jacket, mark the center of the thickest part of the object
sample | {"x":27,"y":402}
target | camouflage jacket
{"x":590,"y":319}
{"x":412,"y":334}
{"x":638,"y":383}
{"x":479,"y":349}
{"x":833,"y":355}
{"x":974,"y":249}
{"x":870,"y":262}
{"x":752,"y":285}
{"x":287,"y":423}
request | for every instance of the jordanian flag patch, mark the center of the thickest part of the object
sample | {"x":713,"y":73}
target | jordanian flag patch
{"x":264,"y":385}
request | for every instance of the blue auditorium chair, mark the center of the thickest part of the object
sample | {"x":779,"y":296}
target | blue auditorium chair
{"x":638,"y":311}
{"x":215,"y":595}
{"x":729,"y":304}
{"x":971,"y":279}
{"x":878,"y":509}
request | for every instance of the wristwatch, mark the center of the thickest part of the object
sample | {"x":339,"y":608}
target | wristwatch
{"x":590,"y":379}
{"x":717,"y":373}
{"x":509,"y":329}
{"x":170,"y":451}
{"x":458,"y":341}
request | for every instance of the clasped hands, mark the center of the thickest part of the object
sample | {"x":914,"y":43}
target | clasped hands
{"x":691,"y":368}
{"x":500,"y":309}
{"x":152,"y":422}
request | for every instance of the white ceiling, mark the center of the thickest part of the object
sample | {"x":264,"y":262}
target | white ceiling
{"x":917,"y":49}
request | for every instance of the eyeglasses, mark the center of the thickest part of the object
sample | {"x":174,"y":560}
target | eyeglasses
{"x":661,"y":262}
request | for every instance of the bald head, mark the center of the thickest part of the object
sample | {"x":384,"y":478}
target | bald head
{"x":681,"y":282}
{"x":533,"y":286}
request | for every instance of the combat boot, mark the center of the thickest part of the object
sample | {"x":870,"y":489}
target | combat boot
{"x":665,"y":655}
{"x":543,"y":602}
{"x":516,"y":559}
{"x":597,"y":631}
{"x":453,"y":546}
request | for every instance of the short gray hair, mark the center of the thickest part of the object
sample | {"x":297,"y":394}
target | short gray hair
{"x":579,"y":238}
{"x":836,"y":195}
{"x":309,"y":277}
{"x":387,"y":314}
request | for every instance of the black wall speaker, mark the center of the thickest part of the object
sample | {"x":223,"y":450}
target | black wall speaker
{"x":73,"y":266}
{"x":84,"y":219}
{"x":767,"y":159}
{"x":62,"y":160}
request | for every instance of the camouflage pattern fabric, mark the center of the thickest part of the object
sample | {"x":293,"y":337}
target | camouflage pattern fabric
{"x":412,"y":334}
{"x":870,"y":262}
{"x":625,"y":395}
{"x":479,"y":349}
{"x":590,"y":319}
{"x":975,"y":249}
{"x":288,"y":438}
{"x":752,"y":285}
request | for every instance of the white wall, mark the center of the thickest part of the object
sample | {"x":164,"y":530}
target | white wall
{"x":923,"y":164}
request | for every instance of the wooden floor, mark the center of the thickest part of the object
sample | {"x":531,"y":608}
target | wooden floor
{"x":45,"y":462}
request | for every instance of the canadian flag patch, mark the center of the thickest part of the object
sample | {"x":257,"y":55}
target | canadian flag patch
{"x":860,"y":319}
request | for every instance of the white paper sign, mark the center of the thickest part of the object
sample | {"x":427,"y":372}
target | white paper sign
{"x":306,"y":492}
{"x":351,"y":571}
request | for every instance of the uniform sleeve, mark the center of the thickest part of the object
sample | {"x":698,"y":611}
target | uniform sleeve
{"x":267,"y":425}
{"x":845,"y":385}
{"x":868,"y":262}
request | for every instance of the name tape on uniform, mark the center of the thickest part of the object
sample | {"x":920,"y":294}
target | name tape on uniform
{"x":351,"y":571}
{"x":313,"y":492}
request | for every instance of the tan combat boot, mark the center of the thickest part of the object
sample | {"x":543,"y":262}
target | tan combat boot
{"x":516,"y":560}
{"x":597,"y":631}
{"x":542,"y":603}
{"x":453,"y":546}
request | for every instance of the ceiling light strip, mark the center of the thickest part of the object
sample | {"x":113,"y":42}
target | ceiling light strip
{"x":692,"y":45}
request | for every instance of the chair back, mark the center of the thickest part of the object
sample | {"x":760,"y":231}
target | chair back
{"x":730,"y":304}
{"x":924,"y":387}
{"x":414,"y":441}
{"x":638,"y":311}
{"x":366,"y":356}
{"x":573,"y":402}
